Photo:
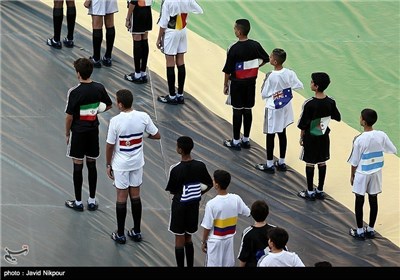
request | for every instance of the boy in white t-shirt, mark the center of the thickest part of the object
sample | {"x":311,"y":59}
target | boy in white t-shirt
{"x":366,"y":161}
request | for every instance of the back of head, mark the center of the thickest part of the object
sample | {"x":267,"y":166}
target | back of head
{"x":279,"y":236}
{"x":125,"y":97}
{"x":279,"y":55}
{"x":185,"y":143}
{"x":222,"y":178}
{"x":321,"y":80}
{"x":323,"y":264}
{"x":259,"y":210}
{"x":243,"y":25}
{"x":84,"y":67}
{"x":369,"y":116}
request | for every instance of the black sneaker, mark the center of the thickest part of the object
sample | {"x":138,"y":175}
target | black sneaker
{"x":180,"y":99}
{"x":167,"y":99}
{"x":304,"y":194}
{"x":319,"y":195}
{"x":137,"y":237}
{"x":229,"y":143}
{"x":71,"y":204}
{"x":353,"y":232}
{"x":54,"y":44}
{"x":92,"y":206}
{"x":245,"y":144}
{"x":96,"y":64}
{"x":281,"y":167}
{"x":117,"y":238}
{"x":369,"y":234}
{"x":263,"y":167}
{"x":68,"y":43}
{"x":107,"y":61}
{"x":131,"y":77}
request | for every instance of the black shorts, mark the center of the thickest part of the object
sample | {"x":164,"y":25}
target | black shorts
{"x":83,"y":144}
{"x":315,"y":148}
{"x":141,"y":20}
{"x":184,"y":217}
{"x":243,"y":94}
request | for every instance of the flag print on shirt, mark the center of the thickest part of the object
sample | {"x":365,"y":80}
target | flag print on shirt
{"x":223,"y":227}
{"x":280,"y":99}
{"x":89,"y":112}
{"x":129,"y":143}
{"x":247,"y":69}
{"x":318,"y":126}
{"x":371,"y":162}
{"x":177,"y":22}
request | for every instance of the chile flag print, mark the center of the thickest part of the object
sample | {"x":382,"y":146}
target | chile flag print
{"x":280,"y":99}
{"x":247,"y":69}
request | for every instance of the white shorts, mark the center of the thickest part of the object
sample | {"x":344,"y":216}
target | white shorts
{"x":126,"y":179}
{"x":175,"y":41}
{"x":220,"y":252}
{"x":367,"y":183}
{"x":103,"y":7}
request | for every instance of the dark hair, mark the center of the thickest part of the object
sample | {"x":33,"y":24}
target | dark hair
{"x":243,"y":25}
{"x":185,"y":143}
{"x":279,"y":236}
{"x":222,"y":178}
{"x":125,"y":97}
{"x":84,"y":67}
{"x":321,"y":80}
{"x":369,"y":116}
{"x":279,"y":55}
{"x":259,"y":210}
{"x":323,"y":264}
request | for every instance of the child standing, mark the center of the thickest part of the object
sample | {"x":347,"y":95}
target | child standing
{"x":219,"y":222}
{"x":314,"y":136}
{"x":277,"y":90}
{"x":366,"y":161}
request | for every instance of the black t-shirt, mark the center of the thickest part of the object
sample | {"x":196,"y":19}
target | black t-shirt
{"x":187,"y":173}
{"x":240,"y":52}
{"x":83,"y":102}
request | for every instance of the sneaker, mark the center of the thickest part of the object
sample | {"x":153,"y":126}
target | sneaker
{"x":245,"y":144}
{"x":263,"y":167}
{"x":131,"y":77}
{"x":92,"y":206}
{"x":96,"y":64}
{"x":54,"y":44}
{"x":117,"y":238}
{"x":144,"y":79}
{"x":180,"y":99}
{"x":319,"y":195}
{"x":280,"y":167}
{"x":137,"y":237}
{"x":353,"y":232}
{"x":304,"y":194}
{"x":369,"y":234}
{"x":72,"y":204}
{"x":229,"y":143}
{"x":107,"y":61}
{"x":68,"y":43}
{"x":167,"y":99}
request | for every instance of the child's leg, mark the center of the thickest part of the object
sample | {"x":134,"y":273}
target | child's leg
{"x":321,"y":175}
{"x":270,"y":149}
{"x":359,"y":210}
{"x":282,"y":146}
{"x":373,"y":204}
{"x":310,"y":176}
{"x":247,"y":121}
{"x":237,"y":124}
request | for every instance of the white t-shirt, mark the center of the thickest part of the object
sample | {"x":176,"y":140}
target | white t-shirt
{"x":126,"y":133}
{"x":281,"y":259}
{"x":275,"y":120}
{"x":221,"y":215}
{"x":368,"y":149}
{"x":171,"y":8}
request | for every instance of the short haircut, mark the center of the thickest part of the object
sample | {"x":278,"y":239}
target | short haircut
{"x":84,"y":67}
{"x":222,"y":178}
{"x":185,"y":143}
{"x":369,"y":116}
{"x":125,"y":97}
{"x":279,"y":236}
{"x":279,"y":55}
{"x":243,"y":25}
{"x":259,"y":210}
{"x":323,"y":264}
{"x":321,"y":80}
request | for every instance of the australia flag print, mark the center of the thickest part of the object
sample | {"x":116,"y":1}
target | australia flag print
{"x":280,"y":99}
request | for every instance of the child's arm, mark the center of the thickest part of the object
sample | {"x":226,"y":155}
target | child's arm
{"x":353,"y":173}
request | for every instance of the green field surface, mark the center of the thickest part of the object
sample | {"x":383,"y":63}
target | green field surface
{"x":355,"y":42}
